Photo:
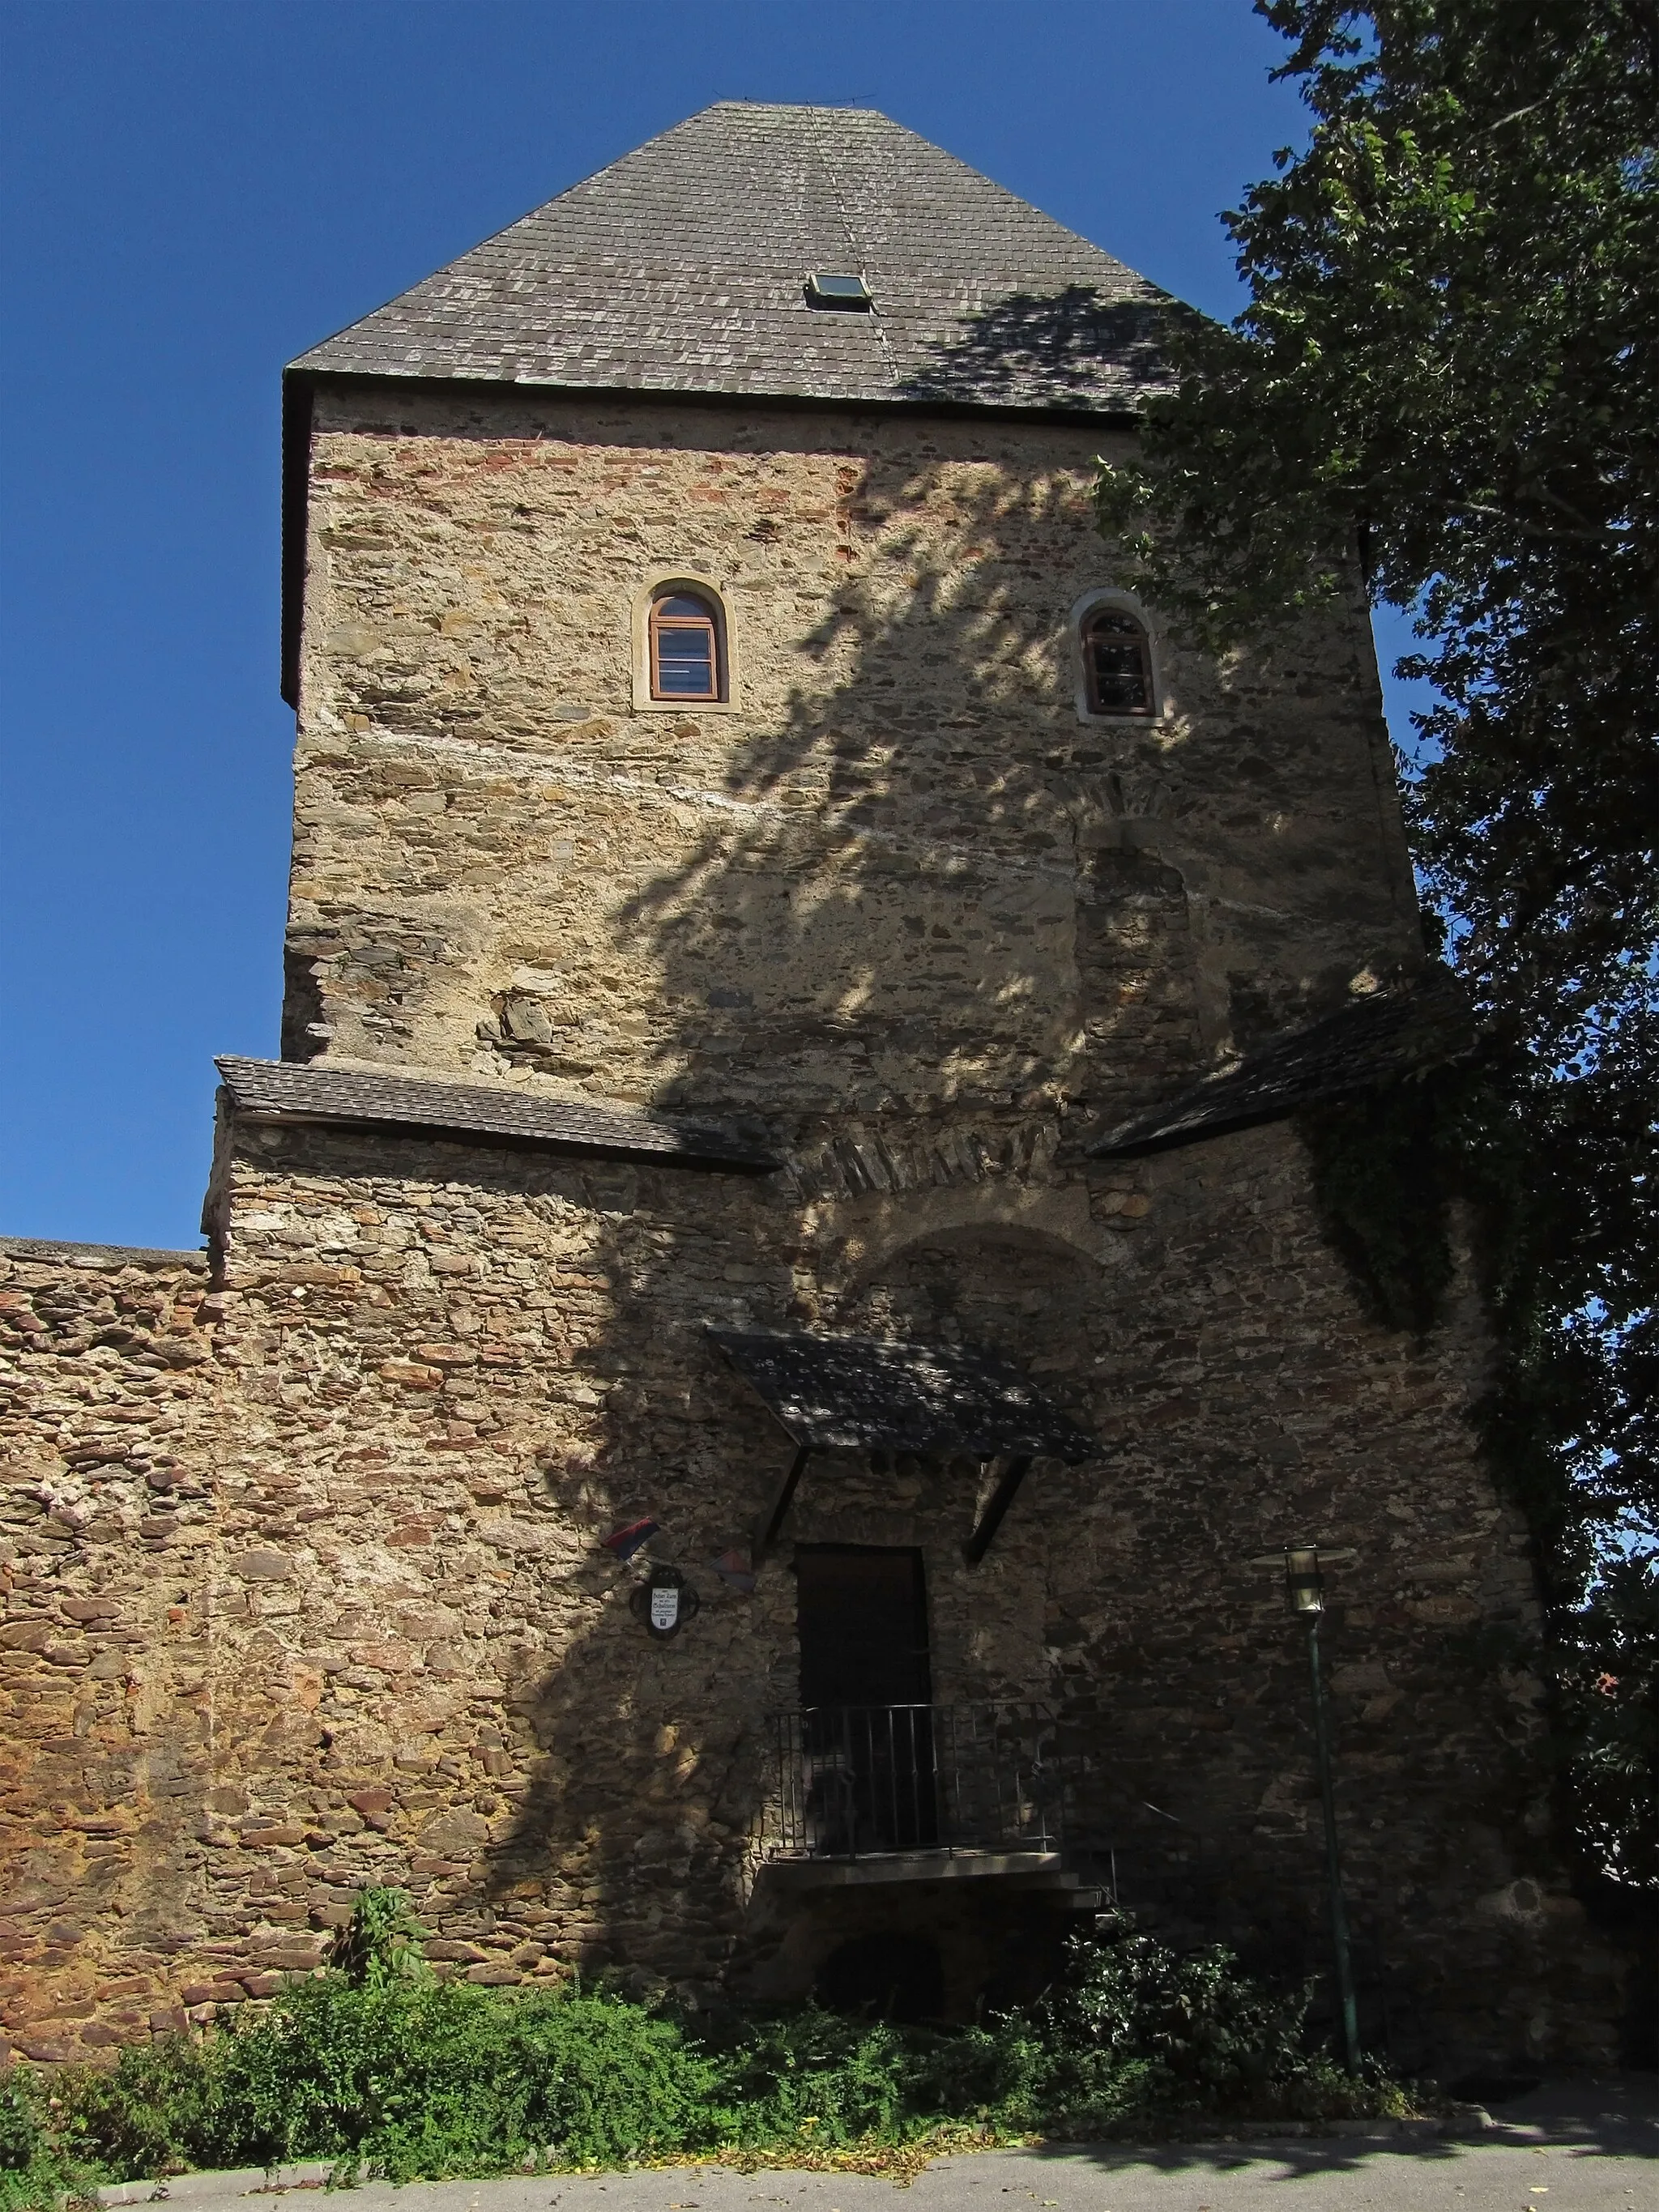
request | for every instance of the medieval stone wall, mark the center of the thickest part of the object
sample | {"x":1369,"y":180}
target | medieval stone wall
{"x":301,"y":1555}
{"x":895,"y":871}
{"x":371,"y":1634}
{"x":107,"y":1384}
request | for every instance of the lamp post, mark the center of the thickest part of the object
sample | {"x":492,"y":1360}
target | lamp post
{"x":1304,"y":1592}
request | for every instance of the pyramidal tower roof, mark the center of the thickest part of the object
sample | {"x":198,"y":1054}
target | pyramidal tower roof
{"x":684,"y":267}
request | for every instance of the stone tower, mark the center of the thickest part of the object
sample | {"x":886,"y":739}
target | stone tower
{"x":760,"y":1328}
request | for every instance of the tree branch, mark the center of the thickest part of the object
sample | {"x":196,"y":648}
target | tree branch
{"x":1589,"y":535}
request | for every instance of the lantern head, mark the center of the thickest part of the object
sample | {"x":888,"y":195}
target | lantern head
{"x":1304,"y":1586}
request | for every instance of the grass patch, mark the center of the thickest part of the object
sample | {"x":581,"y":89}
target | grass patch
{"x":382,"y":2067}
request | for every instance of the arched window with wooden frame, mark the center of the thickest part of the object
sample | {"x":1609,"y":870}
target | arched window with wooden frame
{"x":1118,"y":677}
{"x":687,"y":646}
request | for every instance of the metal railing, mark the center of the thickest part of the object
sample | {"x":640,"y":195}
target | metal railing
{"x":852,"y":1782}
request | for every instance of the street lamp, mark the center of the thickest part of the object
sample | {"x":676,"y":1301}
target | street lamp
{"x":1304,"y":1594}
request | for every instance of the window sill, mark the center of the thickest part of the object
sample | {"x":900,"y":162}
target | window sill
{"x":650,"y":706}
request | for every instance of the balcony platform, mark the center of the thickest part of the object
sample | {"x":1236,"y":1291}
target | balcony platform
{"x":1014,"y":1869}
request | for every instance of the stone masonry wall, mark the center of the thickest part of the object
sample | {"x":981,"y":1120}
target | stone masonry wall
{"x":895,"y":871}
{"x":376,"y":1637}
{"x":108,"y":1385}
{"x":300,"y":1549}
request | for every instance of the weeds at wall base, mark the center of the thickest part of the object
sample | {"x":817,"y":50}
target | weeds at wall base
{"x":379,"y":2067}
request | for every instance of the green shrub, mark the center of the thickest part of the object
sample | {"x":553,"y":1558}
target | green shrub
{"x":35,"y":2176}
{"x":21,"y":2136}
{"x":1137,"y":2033}
{"x":152,"y":2112}
{"x":817,"y":2076}
{"x":418,"y":2078}
{"x":423,"y":2078}
{"x":381,"y":1942}
{"x":379,"y":2065}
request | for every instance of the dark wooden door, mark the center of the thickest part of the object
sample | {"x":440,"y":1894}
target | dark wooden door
{"x":866,"y":1684}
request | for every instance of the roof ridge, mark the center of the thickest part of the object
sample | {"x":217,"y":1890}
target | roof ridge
{"x":800,"y":107}
{"x":420,"y":1072}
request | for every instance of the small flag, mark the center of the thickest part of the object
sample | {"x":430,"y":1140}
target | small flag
{"x":624,"y":1542}
{"x":734,"y":1570}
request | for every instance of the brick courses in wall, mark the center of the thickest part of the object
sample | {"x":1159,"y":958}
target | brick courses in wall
{"x":302,"y":1551}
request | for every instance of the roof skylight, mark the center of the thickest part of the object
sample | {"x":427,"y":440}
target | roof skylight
{"x":826,"y":290}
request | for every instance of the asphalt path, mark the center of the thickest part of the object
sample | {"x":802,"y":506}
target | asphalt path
{"x":1589,"y":2146}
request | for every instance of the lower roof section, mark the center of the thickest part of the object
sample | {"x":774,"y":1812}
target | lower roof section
{"x":55,"y":1251}
{"x":300,"y":1093}
{"x":1406,"y":1031}
{"x":862,"y":1393}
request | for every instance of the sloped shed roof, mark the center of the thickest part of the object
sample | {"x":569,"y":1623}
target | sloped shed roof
{"x":850,"y":1393}
{"x":300,"y":1092}
{"x":681,"y":268}
{"x":1417,"y":1026}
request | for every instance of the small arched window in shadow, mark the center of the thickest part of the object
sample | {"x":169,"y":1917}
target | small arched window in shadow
{"x":1117,"y":663}
{"x":686,"y":658}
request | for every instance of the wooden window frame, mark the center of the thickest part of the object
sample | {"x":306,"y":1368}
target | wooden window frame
{"x":709,"y":623}
{"x":666,"y":583}
{"x":1112,"y":611}
{"x":1086,"y":612}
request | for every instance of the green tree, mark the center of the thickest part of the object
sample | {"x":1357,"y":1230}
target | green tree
{"x":1444,"y":391}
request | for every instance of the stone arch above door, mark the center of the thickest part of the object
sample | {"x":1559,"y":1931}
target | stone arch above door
{"x":1010,"y":1287}
{"x":859,"y":1233}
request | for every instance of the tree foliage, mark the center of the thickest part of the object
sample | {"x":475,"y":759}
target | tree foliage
{"x":1445,"y":386}
{"x":1610,"y":1690}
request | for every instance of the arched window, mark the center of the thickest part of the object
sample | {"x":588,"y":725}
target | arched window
{"x":686,"y":661}
{"x":1117,"y":663}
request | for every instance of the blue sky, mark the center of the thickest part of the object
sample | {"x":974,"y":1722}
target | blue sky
{"x":194,"y":192}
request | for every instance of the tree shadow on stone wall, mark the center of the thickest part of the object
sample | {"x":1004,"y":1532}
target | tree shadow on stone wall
{"x":877,"y":950}
{"x":873,"y":941}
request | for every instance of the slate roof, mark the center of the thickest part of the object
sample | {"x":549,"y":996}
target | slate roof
{"x":290,"y":1091}
{"x":1376,"y":1040}
{"x":681,"y":268}
{"x":858,"y":1393}
{"x":98,"y":1256}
